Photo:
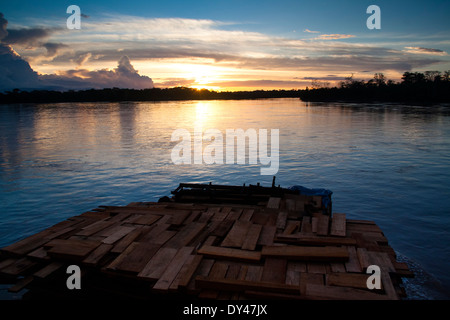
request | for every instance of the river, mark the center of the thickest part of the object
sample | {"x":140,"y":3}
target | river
{"x":389,"y":163}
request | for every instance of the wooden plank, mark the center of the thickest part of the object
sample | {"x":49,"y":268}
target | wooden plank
{"x":94,"y":228}
{"x":18,"y":267}
{"x":274,"y":270}
{"x":135,"y":259}
{"x":252,"y":237}
{"x":234,"y":214}
{"x":323,"y":225}
{"x":351,"y":280}
{"x":48,"y":270}
{"x":337,"y":267}
{"x":352,"y":265}
{"x":95,"y":256}
{"x":338,"y":225}
{"x":179,"y":216}
{"x":21,"y":284}
{"x":314,"y":223}
{"x":273,"y":203}
{"x":122,"y":244}
{"x":363,"y":258}
{"x":218,"y":271}
{"x":236,"y":236}
{"x":340,"y":293}
{"x":147,"y":219}
{"x":222,"y":228}
{"x":172,"y":270}
{"x":229,"y":253}
{"x":242,"y":285}
{"x":28,"y":244}
{"x":306,"y":253}
{"x":316,"y":267}
{"x":175,"y":285}
{"x":186,"y":235}
{"x":119,"y":234}
{"x":306,"y":227}
{"x":71,"y":249}
{"x":267,"y":235}
{"x":314,"y":240}
{"x":158,"y":264}
{"x":247,"y":214}
{"x":281,"y":219}
{"x":252,"y":273}
{"x":188,"y":272}
{"x":203,"y":270}
{"x":291,"y":227}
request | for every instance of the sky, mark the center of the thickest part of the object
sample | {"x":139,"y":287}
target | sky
{"x":218,"y":45}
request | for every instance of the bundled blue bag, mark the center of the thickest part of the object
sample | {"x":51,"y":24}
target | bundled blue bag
{"x":326,"y":194}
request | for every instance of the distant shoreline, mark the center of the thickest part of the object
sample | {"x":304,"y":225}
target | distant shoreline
{"x":423,"y":88}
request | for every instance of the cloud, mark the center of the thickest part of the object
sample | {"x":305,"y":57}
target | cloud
{"x":14,"y":71}
{"x":83,"y":58}
{"x":310,"y":31}
{"x":124,"y":76}
{"x":53,"y":48}
{"x":421,"y":50}
{"x":334,"y":36}
{"x":3,"y":25}
{"x":28,"y":37}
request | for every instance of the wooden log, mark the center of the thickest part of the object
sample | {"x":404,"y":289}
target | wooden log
{"x":306,"y":253}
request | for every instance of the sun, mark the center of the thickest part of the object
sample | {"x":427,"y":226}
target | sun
{"x":204,"y":76}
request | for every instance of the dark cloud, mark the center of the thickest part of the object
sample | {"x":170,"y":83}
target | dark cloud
{"x":53,"y":48}
{"x":15,"y":72}
{"x":124,"y":76}
{"x":3,"y":25}
{"x":30,"y":37}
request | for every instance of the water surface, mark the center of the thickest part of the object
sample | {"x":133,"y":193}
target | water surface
{"x":387,"y":163}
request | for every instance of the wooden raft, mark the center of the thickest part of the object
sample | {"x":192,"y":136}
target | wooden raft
{"x":210,"y":251}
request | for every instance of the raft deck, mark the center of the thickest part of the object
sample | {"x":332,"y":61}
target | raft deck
{"x":209,"y":242}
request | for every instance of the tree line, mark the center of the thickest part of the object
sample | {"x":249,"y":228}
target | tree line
{"x":426,"y":87}
{"x":417,"y":87}
{"x":152,"y":94}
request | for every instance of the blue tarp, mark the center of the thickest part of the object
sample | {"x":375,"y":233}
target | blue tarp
{"x":326,"y":194}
